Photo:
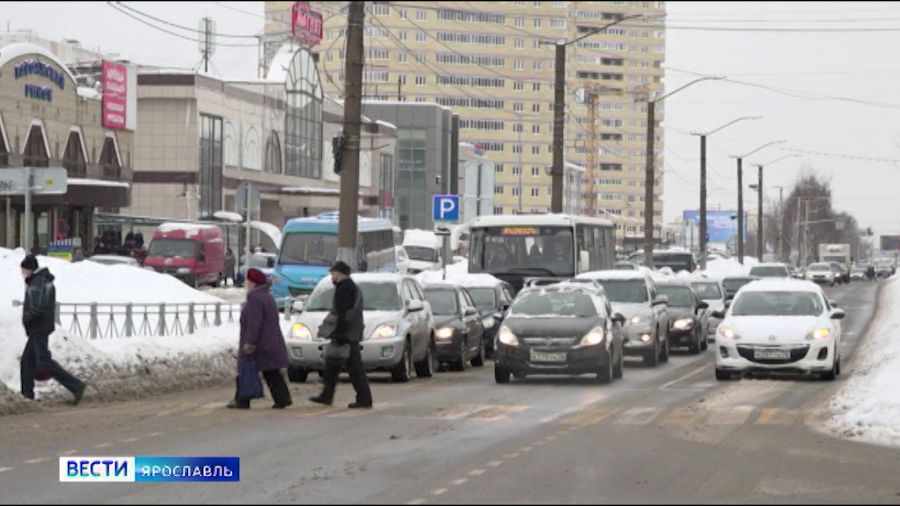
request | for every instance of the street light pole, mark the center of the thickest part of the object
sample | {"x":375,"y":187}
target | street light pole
{"x":740,"y":216}
{"x":759,"y":246}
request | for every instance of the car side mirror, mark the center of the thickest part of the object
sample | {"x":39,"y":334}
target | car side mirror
{"x":505,"y":308}
{"x":470,"y":311}
{"x":298,"y":306}
{"x":414,"y":305}
{"x":718,"y":314}
{"x":498,"y":316}
{"x":661,"y":300}
{"x":838,"y":314}
{"x":619,"y":318}
{"x":702,"y":305}
{"x":833,"y":303}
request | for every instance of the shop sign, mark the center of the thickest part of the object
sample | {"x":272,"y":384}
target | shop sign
{"x":115,"y":95}
{"x":306,"y":24}
{"x":39,"y":68}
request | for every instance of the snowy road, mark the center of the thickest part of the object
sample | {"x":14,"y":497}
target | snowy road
{"x":671,"y":434}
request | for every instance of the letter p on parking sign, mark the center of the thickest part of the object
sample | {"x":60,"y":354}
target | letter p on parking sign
{"x":445,"y":208}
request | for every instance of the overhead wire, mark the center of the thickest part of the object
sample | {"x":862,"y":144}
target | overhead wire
{"x":164,"y":30}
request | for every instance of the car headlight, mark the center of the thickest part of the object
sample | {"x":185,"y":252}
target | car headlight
{"x":183,"y":270}
{"x":507,"y":337}
{"x":728,"y":333}
{"x":683,"y":324}
{"x":444,"y":333}
{"x":385,"y":331}
{"x":301,"y":332}
{"x":594,"y":337}
{"x":489,"y":322}
{"x":277,"y":279}
{"x":820,"y":333}
{"x":635,"y":320}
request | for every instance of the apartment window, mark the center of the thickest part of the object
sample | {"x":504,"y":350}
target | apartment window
{"x":402,"y":78}
{"x":329,"y":57}
{"x":537,"y":22}
{"x":515,"y":191}
{"x":536,"y":44}
{"x":518,"y":86}
{"x":498,"y":169}
{"x":558,"y":23}
{"x":516,"y":170}
{"x":487,"y":39}
{"x":536,"y":192}
{"x":402,"y":13}
{"x":421,"y":80}
{"x":520,"y":22}
{"x":518,"y":107}
{"x":535,"y":150}
{"x":420,"y":36}
{"x":403,"y":36}
{"x":517,"y":148}
{"x":535,"y":107}
{"x":519,"y":43}
{"x":498,"y":189}
{"x":471,"y":17}
{"x":403,"y":58}
{"x":492,"y":146}
{"x":517,"y":128}
{"x":537,"y":4}
{"x":498,"y":210}
{"x":480,"y":60}
{"x":536,"y":65}
{"x":421,"y":58}
{"x":421,"y":99}
{"x":535,"y":86}
{"x":478,"y":82}
{"x":535,"y":129}
{"x":520,"y":65}
{"x":422,"y":15}
{"x":535,"y":171}
{"x":381,"y":9}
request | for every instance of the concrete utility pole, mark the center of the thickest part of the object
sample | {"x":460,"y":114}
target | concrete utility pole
{"x":353,"y":69}
{"x":759,"y":216}
{"x":559,"y":126}
{"x":740,"y":217}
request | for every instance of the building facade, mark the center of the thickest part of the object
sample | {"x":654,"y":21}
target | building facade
{"x":199,"y":138}
{"x":47,"y":120}
{"x":491,"y":64}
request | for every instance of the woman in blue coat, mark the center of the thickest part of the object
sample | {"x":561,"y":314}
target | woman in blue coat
{"x":262,"y":341}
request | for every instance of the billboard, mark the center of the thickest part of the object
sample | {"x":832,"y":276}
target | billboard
{"x":306,"y":24}
{"x":721,"y":226}
{"x":890,"y":243}
{"x":115,"y":95}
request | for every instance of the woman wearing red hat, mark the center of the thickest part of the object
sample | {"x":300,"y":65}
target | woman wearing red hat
{"x":262,"y":341}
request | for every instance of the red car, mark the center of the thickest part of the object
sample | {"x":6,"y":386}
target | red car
{"x":193,"y":253}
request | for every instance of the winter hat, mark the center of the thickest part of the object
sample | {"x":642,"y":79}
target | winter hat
{"x":341,"y":267}
{"x":256,"y":276}
{"x":30,"y":263}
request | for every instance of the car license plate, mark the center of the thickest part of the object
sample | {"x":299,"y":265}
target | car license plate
{"x":771,"y":354}
{"x":537,"y":356}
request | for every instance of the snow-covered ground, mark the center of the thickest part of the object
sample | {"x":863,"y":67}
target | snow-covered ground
{"x":116,"y":368}
{"x":867,"y":407}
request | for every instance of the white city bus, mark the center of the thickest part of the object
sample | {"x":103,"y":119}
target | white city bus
{"x":515,"y":247}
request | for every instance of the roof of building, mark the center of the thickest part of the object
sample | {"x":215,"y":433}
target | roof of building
{"x":19,"y":49}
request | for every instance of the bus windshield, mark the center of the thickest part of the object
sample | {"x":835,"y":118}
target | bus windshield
{"x":536,"y":251}
{"x":308,"y":248}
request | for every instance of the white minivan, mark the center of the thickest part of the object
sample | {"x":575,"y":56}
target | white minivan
{"x":424,"y":250}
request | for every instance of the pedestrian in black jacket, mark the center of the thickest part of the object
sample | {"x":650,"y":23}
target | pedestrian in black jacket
{"x":347,"y":310}
{"x":39,"y":319}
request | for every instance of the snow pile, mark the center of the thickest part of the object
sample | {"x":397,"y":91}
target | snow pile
{"x":116,"y":368}
{"x":424,"y":238}
{"x":455,"y":272}
{"x":867,"y":407}
{"x":723,"y":268}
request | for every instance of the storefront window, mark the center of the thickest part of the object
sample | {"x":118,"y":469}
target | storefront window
{"x":35,"y":150}
{"x":210,"y":164}
{"x":73,"y":158}
{"x":303,"y":121}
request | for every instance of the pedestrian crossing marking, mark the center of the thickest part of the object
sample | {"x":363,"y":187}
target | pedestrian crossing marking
{"x":497,"y":413}
{"x":737,"y":415}
{"x":777,"y":416}
{"x":681,"y":417}
{"x":590,"y":416}
{"x":309,"y":411}
{"x":637,"y":416}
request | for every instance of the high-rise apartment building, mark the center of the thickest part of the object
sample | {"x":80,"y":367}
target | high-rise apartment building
{"x":493,"y":64}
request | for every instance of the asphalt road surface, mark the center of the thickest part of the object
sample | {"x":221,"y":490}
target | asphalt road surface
{"x":671,"y":434}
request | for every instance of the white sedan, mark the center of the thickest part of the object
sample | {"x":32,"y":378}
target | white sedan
{"x":780,"y":326}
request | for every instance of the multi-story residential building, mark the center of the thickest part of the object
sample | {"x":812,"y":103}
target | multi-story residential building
{"x":493,"y":64}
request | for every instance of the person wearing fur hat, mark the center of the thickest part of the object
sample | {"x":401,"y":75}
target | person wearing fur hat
{"x":262,"y":340}
{"x":39,"y":320}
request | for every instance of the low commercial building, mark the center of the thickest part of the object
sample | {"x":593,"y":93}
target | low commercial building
{"x":49,"y":119}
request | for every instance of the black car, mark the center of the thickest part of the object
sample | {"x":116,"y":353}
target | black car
{"x":561,"y":329}
{"x":734,"y":283}
{"x":458,"y":330}
{"x":688,"y":318}
{"x":493,"y":301}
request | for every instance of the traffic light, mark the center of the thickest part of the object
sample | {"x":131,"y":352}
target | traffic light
{"x":337,"y":149}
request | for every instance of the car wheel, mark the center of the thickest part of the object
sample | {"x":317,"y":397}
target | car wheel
{"x":704,"y":342}
{"x":651,"y":358}
{"x":501,"y":374}
{"x":695,"y":346}
{"x":297,"y":375}
{"x":833,"y":373}
{"x":619,"y":369}
{"x":426,"y":368}
{"x":479,"y":359}
{"x":520,"y":375}
{"x":724,"y":375}
{"x":664,"y":357}
{"x":461,"y":364}
{"x":400,"y":373}
{"x":605,"y":374}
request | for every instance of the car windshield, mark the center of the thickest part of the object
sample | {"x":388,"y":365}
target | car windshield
{"x":485,"y":298}
{"x":421,"y":253}
{"x":819,"y":268}
{"x":376,"y":297}
{"x":675,"y":261}
{"x":777,"y":304}
{"x":733,"y":285}
{"x":443,"y":301}
{"x":172,"y":248}
{"x":679,"y":296}
{"x":541,"y":251}
{"x":262,"y":262}
{"x":625,"y":267}
{"x":707,"y":291}
{"x":769,"y":272}
{"x":308,"y":248}
{"x":554,"y":304}
{"x":625,"y":291}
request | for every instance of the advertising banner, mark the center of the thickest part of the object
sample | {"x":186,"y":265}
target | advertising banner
{"x":115,"y":95}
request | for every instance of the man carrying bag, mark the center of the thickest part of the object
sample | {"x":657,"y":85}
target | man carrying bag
{"x":345,"y":337}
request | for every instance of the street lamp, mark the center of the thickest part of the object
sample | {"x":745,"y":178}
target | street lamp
{"x":559,"y":110}
{"x":651,"y":162}
{"x":703,"y":137}
{"x":740,"y":183}
{"x":759,"y":226}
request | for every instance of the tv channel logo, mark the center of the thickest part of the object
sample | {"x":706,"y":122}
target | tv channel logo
{"x":149,"y":469}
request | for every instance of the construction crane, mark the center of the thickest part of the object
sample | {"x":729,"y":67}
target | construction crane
{"x":589,"y":95}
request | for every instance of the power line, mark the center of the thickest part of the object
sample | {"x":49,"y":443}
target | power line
{"x":182,"y":27}
{"x":161,"y":29}
{"x":842,"y":156}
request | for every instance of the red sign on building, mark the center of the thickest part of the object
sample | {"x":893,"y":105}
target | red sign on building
{"x":115,"y":95}
{"x":306,"y":25}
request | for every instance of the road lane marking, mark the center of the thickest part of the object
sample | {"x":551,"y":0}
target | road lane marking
{"x":512,"y":456}
{"x":70,"y":452}
{"x":440,"y":491}
{"x":686,"y":376}
{"x":551,"y":438}
{"x":6,"y":469}
{"x":737,"y":415}
{"x":103,"y":445}
{"x":637,"y":416}
{"x":498,"y":413}
{"x":540,"y":443}
{"x":417,"y":501}
{"x":156,"y":434}
{"x":590,"y":416}
{"x":681,"y":417}
{"x":37,"y":461}
{"x":525,"y":449}
{"x":459,"y":482}
{"x":476,"y":472}
{"x":130,"y":439}
{"x":495,"y":463}
{"x":777,"y":416}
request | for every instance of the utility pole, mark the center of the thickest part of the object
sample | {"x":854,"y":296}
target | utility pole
{"x":592,"y":153}
{"x":353,"y":69}
{"x":740,"y":213}
{"x":778,"y":224}
{"x":703,"y":202}
{"x":648,"y":181}
{"x":559,"y":125}
{"x":759,"y":216}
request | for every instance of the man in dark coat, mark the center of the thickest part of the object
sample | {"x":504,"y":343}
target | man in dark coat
{"x":39,"y":320}
{"x":348,"y":330}
{"x":262,"y":341}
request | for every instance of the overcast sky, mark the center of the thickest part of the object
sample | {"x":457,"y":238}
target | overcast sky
{"x":849,"y":65}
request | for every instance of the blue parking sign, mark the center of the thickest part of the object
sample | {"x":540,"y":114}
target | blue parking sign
{"x":445,"y":208}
